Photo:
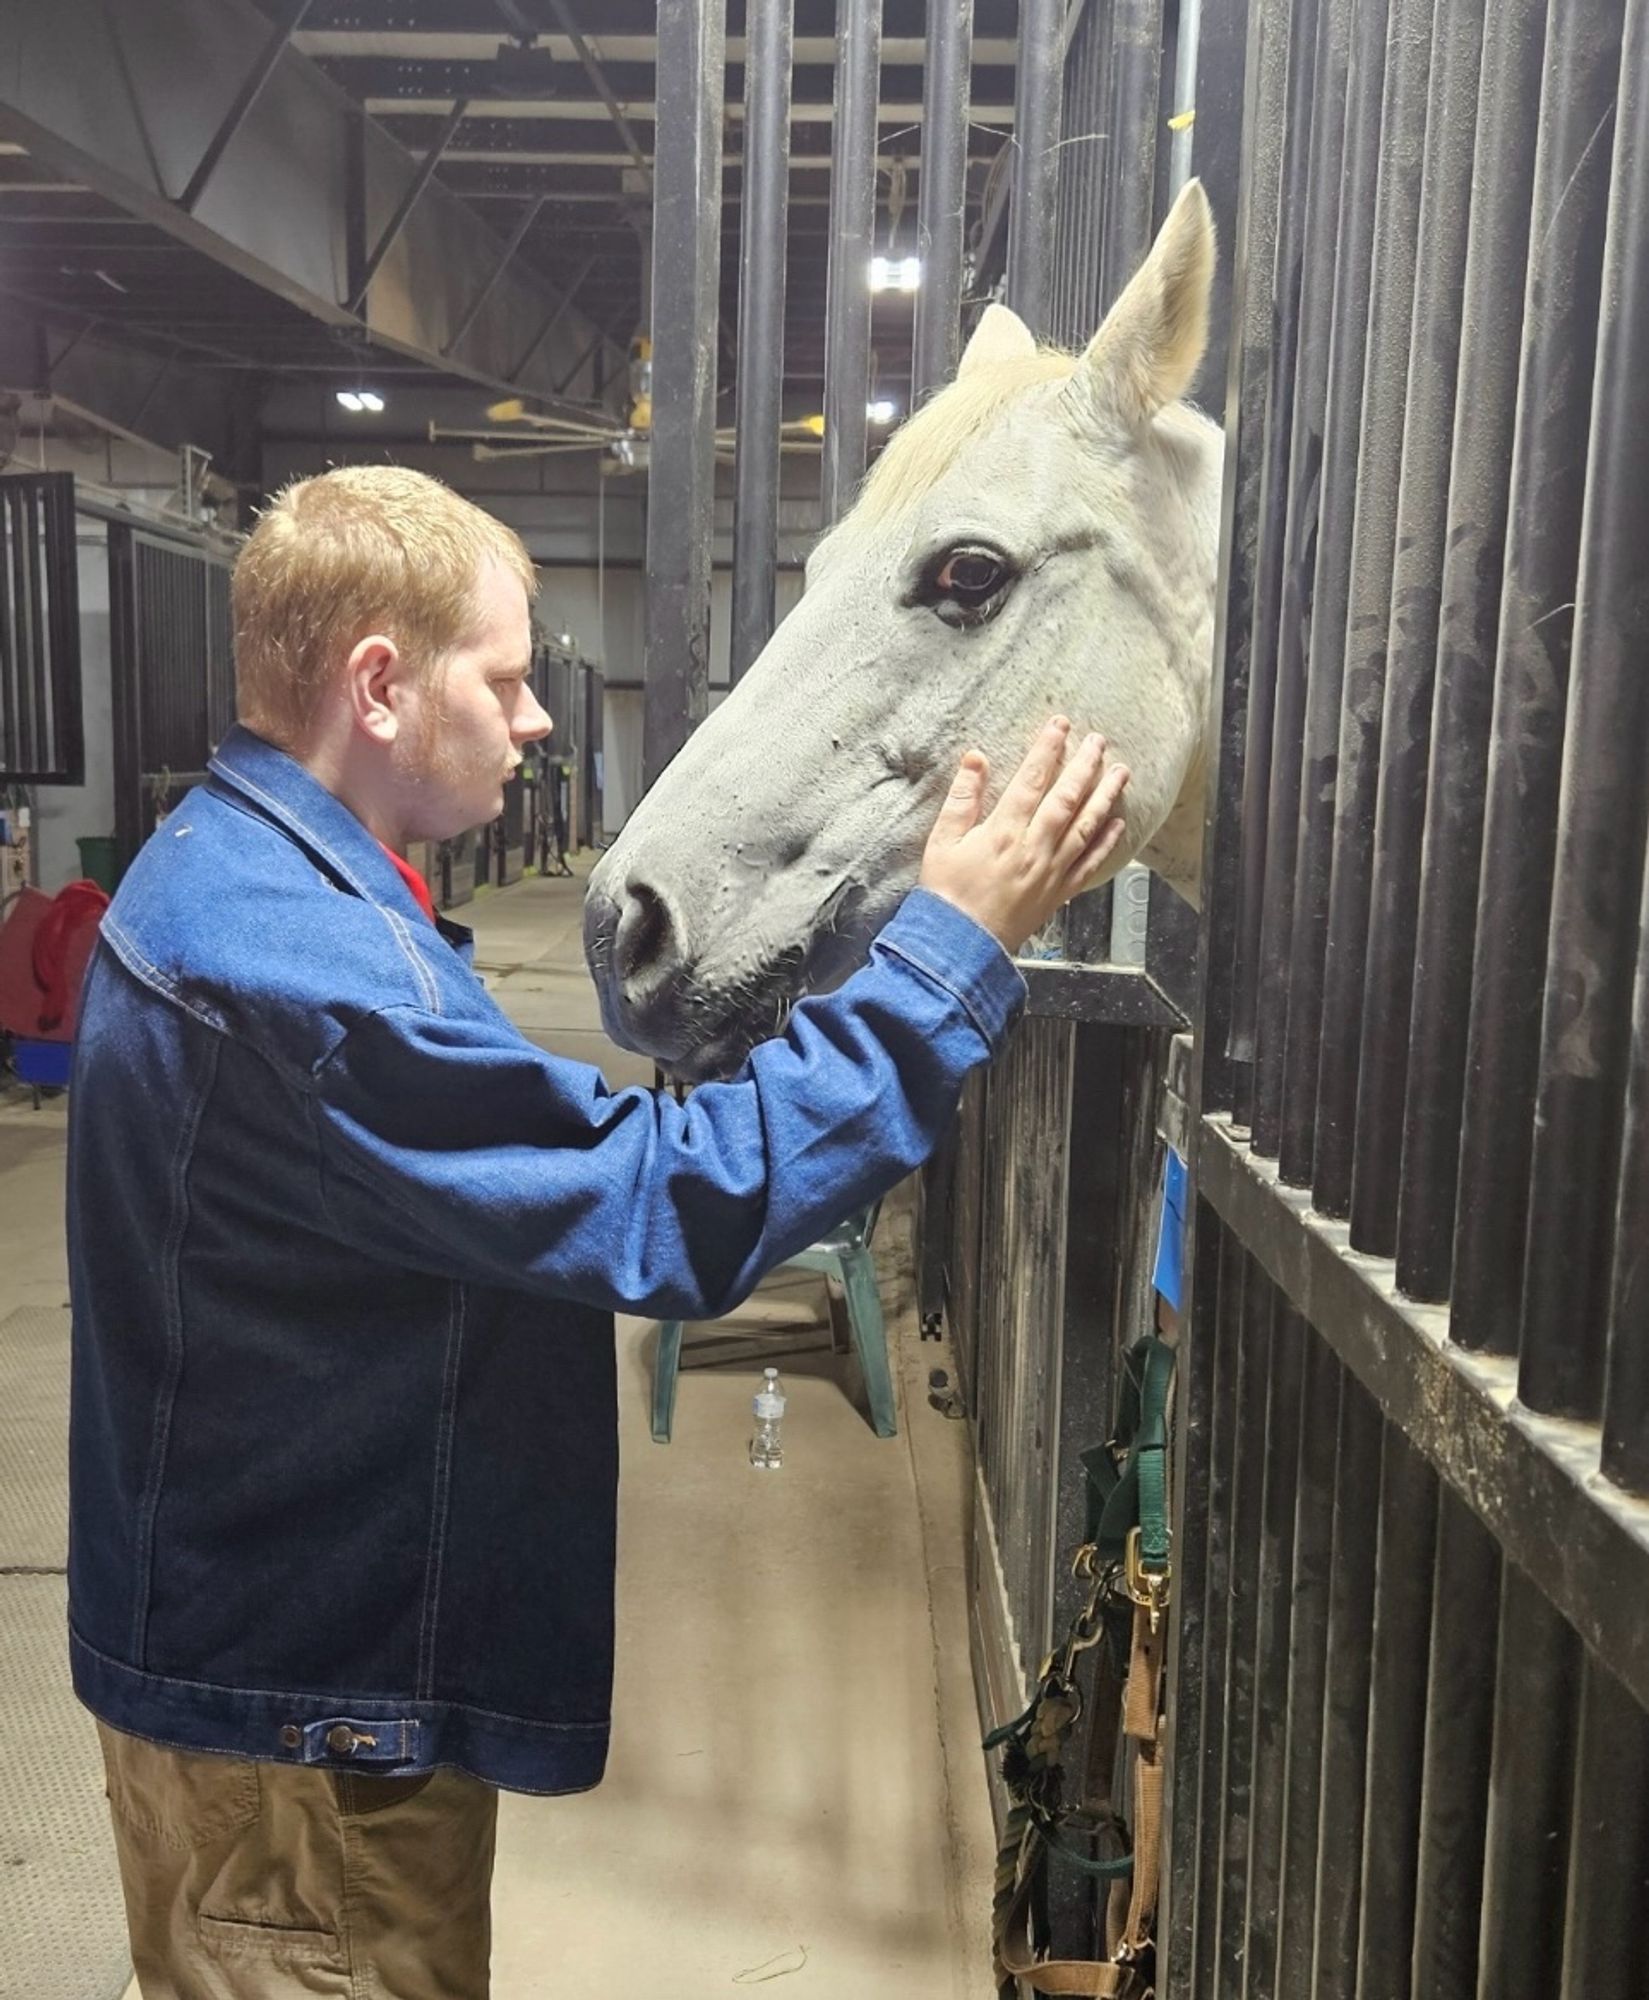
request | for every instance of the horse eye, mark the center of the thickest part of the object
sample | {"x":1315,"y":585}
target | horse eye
{"x":971,"y":576}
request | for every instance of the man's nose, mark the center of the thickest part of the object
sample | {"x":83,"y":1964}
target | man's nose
{"x":531,"y":720}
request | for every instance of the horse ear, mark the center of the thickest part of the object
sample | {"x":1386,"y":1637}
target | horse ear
{"x":1000,"y":336}
{"x":1148,"y":351}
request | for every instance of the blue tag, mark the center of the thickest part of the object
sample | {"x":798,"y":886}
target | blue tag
{"x":1169,"y":1275}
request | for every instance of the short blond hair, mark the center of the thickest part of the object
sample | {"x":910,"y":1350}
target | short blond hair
{"x":360,"y":549}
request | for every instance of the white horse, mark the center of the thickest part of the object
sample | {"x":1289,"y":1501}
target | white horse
{"x":1041,"y":538}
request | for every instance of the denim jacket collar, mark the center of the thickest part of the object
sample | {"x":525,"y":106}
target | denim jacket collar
{"x":296,"y":801}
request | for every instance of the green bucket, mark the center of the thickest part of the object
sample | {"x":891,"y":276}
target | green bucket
{"x":97,"y":860}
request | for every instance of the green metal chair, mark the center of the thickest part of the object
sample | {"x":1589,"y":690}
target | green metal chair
{"x":844,"y":1254}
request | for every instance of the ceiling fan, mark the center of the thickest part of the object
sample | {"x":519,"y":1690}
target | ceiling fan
{"x":624,"y":444}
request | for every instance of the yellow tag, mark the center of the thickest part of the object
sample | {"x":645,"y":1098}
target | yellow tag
{"x":1182,"y":121}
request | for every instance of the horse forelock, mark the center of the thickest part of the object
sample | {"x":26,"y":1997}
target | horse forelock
{"x":922,"y":451}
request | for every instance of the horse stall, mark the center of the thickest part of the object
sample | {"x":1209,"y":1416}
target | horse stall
{"x":1403,"y":1045}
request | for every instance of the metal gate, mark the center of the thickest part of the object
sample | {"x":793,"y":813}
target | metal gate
{"x":1411,"y":1640}
{"x":41,"y":726}
{"x":1412,"y":1652}
{"x":173,"y":686}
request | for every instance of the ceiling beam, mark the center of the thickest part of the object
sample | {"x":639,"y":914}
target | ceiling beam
{"x":583,"y":110}
{"x":440,"y":45}
{"x":132,"y":116}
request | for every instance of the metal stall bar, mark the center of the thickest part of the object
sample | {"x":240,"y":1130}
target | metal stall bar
{"x":1581,"y":69}
{"x":1337,"y":1919}
{"x":1626,"y":1399}
{"x":1269,"y":557}
{"x":1199,"y":1763}
{"x":1273,"y":1644}
{"x":1490,"y":308}
{"x":1036,"y":121}
{"x":686,"y":307}
{"x":1411,"y":640}
{"x":1248,"y":62}
{"x":41,"y":726}
{"x":1090,"y":159}
{"x":1136,"y":85}
{"x":1331,"y":593}
{"x":1262,"y":1309}
{"x":1322,"y":104}
{"x":1395,"y":1752}
{"x":1606,"y":1926}
{"x":125,"y":696}
{"x":1308,"y":1666}
{"x":1531,"y":1780}
{"x":852,"y":239}
{"x":1621,"y":518}
{"x":758,"y":406}
{"x":1454,"y":1785}
{"x":1603,"y":815}
{"x":942,"y":198}
{"x":1197,"y":1421}
{"x":1249,"y":366}
{"x":1373,"y":551}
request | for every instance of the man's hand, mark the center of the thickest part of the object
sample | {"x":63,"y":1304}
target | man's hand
{"x":1047,"y":839}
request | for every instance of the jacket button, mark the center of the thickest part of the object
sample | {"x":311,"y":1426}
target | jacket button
{"x":340,"y":1740}
{"x":291,"y":1736}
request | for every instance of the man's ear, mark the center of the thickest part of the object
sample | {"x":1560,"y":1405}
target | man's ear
{"x":370,"y":679}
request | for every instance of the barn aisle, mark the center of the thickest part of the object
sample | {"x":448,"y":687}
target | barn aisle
{"x":795,"y":1797}
{"x":795,"y":1779}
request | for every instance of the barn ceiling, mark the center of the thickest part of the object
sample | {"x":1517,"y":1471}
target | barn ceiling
{"x":570,"y":148}
{"x":559,"y":143}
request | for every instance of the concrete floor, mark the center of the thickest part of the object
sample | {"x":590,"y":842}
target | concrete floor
{"x":796,"y":1793}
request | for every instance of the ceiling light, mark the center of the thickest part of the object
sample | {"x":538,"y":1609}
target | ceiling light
{"x":371,"y":400}
{"x":895,"y":274}
{"x":881,"y":411}
{"x":350,"y":400}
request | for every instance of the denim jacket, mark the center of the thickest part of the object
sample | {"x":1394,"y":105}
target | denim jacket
{"x":345,"y":1249}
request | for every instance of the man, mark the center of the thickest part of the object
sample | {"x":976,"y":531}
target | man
{"x":345,"y":1248}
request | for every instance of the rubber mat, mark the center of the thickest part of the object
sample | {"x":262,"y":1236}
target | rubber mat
{"x":34,"y":1432}
{"x":60,"y":1909}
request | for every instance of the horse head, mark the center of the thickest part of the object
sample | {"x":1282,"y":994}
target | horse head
{"x":1041,"y":537}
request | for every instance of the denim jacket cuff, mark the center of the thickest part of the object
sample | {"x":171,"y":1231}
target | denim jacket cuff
{"x":962,"y":957}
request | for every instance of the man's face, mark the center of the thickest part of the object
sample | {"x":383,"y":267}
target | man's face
{"x":472,"y":724}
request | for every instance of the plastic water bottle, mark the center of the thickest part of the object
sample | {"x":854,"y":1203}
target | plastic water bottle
{"x":766,"y":1449}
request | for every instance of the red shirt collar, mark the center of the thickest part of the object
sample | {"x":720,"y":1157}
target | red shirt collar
{"x":415,"y":882}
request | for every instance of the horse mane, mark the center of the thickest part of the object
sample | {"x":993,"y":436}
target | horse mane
{"x":922,"y":451}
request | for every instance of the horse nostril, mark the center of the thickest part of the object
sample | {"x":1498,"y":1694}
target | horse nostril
{"x":645,"y":950}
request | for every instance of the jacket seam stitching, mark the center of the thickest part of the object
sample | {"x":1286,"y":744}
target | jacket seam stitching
{"x":397,"y":929}
{"x":403,"y":937}
{"x":897,"y":948}
{"x":161,"y":1433}
{"x":441,"y":1495}
{"x":337,"y":1703}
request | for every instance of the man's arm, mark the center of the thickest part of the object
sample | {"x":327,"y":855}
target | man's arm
{"x":461,"y":1148}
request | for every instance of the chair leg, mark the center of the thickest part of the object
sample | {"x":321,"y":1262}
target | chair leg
{"x":666,"y":1363}
{"x":864,"y":1312}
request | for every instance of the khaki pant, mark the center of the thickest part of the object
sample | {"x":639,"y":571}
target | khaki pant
{"x":249,"y":1881}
